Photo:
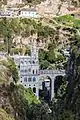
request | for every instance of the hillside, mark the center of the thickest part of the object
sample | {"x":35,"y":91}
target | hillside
{"x":52,"y":35}
{"x":19,"y":33}
{"x":13,"y":97}
{"x":4,"y":115}
{"x":66,"y":105}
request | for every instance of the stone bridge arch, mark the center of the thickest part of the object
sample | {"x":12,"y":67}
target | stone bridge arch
{"x":53,"y":83}
{"x":45,"y":83}
{"x":57,"y":83}
{"x":51,"y":75}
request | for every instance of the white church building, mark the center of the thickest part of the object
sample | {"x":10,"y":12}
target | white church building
{"x":28,"y":13}
{"x":30,"y":75}
{"x":28,"y":68}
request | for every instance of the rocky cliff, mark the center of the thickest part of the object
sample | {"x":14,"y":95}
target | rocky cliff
{"x":67,"y":106}
{"x":57,"y":7}
{"x":14,"y":99}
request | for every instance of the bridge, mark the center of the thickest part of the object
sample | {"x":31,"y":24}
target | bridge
{"x":51,"y":74}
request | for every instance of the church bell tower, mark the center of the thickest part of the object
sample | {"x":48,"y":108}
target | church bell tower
{"x":34,"y":49}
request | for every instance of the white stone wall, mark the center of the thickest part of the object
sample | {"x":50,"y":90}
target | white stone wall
{"x":28,"y":70}
{"x":30,"y":14}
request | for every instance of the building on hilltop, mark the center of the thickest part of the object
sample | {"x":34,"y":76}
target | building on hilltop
{"x":20,"y":12}
{"x":28,"y":12}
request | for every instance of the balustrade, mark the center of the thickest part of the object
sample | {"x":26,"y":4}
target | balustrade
{"x":51,"y":71}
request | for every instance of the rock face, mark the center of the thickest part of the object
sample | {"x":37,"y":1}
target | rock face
{"x":5,"y":75}
{"x":57,"y":7}
{"x":48,"y":7}
{"x":14,"y":98}
{"x":5,"y":80}
{"x":12,"y":2}
{"x":4,"y":115}
{"x":69,"y":105}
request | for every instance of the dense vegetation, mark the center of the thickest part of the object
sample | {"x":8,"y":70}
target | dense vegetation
{"x":24,"y":27}
{"x":20,"y":103}
{"x":68,"y":20}
{"x":64,"y":107}
{"x":9,"y":28}
{"x":10,"y":65}
{"x":67,"y":105}
{"x":51,"y":58}
{"x":15,"y":100}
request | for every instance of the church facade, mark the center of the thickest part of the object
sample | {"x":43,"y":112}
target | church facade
{"x":30,"y":75}
{"x":28,"y":69}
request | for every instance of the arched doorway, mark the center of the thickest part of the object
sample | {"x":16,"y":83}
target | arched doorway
{"x":34,"y":89}
{"x":45,"y":93}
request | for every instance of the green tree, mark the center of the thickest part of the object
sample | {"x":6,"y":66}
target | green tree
{"x":44,"y":64}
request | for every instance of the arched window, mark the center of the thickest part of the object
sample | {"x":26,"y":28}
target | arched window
{"x":33,"y":71}
{"x":25,"y":79}
{"x":25,"y":70}
{"x":29,"y":69}
{"x":33,"y":62}
{"x":19,"y":12}
{"x":34,"y":89}
{"x":29,"y":62}
{"x":25,"y":62}
{"x":29,"y":79}
{"x":19,"y":66}
{"x":34,"y":79}
{"x":21,"y":71}
{"x":22,"y":62}
{"x":36,"y":72}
